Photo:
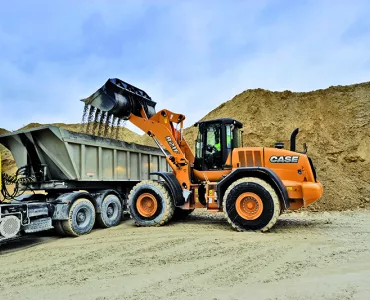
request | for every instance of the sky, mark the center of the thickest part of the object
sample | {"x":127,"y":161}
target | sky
{"x":189,"y":56}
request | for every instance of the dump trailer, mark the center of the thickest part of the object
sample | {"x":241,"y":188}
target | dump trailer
{"x":70,"y":181}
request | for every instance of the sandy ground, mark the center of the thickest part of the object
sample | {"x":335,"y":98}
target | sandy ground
{"x":306,"y":256}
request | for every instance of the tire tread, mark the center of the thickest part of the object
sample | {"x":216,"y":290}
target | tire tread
{"x":266,"y":186}
{"x":100,"y":220}
{"x":170,"y":208}
{"x":67,"y":225}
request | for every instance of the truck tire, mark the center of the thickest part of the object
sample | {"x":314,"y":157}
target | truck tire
{"x":111,"y":211}
{"x":59,"y":228}
{"x":251,"y":204}
{"x":81,"y":218}
{"x":150,"y":204}
{"x":181,"y":214}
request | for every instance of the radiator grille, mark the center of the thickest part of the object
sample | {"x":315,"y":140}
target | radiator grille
{"x":250,"y":159}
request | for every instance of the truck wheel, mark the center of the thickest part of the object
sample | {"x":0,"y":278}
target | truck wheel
{"x":59,"y":228}
{"x":111,"y":212}
{"x":81,"y":218}
{"x":180,"y":213}
{"x":251,"y":204}
{"x":150,"y":204}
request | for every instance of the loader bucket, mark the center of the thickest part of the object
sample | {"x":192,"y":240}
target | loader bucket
{"x":119,"y":99}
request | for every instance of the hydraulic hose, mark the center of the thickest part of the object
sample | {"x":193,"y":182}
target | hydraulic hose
{"x":18,"y":183}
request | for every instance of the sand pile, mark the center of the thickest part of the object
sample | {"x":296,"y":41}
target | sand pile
{"x":8,"y":164}
{"x":335,"y":124}
{"x":3,"y":131}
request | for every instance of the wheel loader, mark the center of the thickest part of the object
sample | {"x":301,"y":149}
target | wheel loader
{"x":252,"y":186}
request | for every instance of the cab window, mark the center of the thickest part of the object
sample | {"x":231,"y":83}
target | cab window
{"x":236,"y":137}
{"x":212,"y":157}
{"x":214,"y":136}
{"x":199,"y":145}
{"x":229,"y":137}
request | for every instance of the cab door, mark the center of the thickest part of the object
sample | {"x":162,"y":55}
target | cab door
{"x":213,"y":145}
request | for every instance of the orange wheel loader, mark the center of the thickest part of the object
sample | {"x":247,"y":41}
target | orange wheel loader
{"x":252,"y":186}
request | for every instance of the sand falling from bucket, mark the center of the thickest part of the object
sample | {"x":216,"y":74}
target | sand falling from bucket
{"x":100,"y":123}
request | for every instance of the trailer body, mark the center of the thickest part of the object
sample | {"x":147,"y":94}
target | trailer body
{"x":64,"y":166}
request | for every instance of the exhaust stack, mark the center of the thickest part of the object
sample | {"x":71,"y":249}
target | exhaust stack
{"x":293,"y":139}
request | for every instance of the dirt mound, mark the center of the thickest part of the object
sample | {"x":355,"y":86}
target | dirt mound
{"x":3,"y":131}
{"x":7,"y":161}
{"x":335,"y":124}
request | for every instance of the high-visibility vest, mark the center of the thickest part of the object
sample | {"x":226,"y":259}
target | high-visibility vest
{"x":228,"y":144}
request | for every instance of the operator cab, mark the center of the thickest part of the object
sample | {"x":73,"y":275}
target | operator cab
{"x":216,"y":139}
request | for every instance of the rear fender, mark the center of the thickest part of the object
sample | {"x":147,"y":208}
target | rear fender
{"x":263,"y":173}
{"x":63,"y":203}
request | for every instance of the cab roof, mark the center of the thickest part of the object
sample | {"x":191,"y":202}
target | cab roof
{"x":222,"y":121}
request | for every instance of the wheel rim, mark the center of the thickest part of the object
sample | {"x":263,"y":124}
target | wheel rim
{"x":249,"y":206}
{"x":146,"y":205}
{"x":83,"y":217}
{"x":112,"y":211}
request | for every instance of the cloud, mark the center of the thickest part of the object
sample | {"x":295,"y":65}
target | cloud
{"x":190,"y":56}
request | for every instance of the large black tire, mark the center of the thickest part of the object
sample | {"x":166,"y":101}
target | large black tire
{"x":58,"y":228}
{"x":153,"y":200}
{"x":81,"y":218}
{"x":270,"y":208}
{"x":181,"y":214}
{"x":111,"y":211}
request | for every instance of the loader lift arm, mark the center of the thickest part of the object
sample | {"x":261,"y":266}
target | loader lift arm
{"x":161,"y":128}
